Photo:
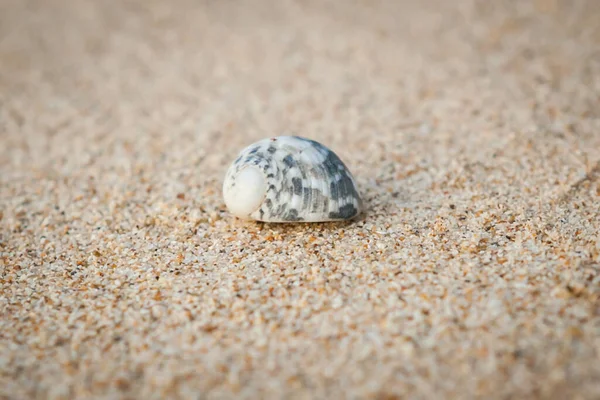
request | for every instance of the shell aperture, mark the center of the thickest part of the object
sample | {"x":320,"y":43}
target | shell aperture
{"x":290,"y":179}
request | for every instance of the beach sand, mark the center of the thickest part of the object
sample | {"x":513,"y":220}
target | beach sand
{"x":471,"y":127}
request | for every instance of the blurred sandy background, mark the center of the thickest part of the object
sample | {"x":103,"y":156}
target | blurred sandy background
{"x":472,"y":127}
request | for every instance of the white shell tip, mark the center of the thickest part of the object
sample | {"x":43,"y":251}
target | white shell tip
{"x":246,"y":194}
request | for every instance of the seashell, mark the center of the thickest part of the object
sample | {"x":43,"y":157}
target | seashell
{"x":290,"y":179}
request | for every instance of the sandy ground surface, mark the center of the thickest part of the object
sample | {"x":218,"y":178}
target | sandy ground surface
{"x":473,"y":131}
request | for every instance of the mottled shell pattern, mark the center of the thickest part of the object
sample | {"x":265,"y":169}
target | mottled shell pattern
{"x":290,"y":179}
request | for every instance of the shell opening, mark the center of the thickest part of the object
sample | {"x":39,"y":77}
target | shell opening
{"x":247,"y":193}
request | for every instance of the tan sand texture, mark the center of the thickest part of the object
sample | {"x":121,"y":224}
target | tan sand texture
{"x":472,"y":128}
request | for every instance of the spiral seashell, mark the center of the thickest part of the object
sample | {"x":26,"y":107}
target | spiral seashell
{"x":290,"y":179}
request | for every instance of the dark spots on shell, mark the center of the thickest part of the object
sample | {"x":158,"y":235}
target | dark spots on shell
{"x":307,"y":192}
{"x":349,"y":188}
{"x":345,"y":212}
{"x":269,"y":204}
{"x":269,"y":176}
{"x":292,"y":215}
{"x":280,"y":210}
{"x":330,"y":156}
{"x":333,"y":191}
{"x":271,"y":188}
{"x":271,"y":149}
{"x":343,"y":188}
{"x":255,"y":150}
{"x":288,"y":161}
{"x":332,"y":164}
{"x":262,"y":213}
{"x":312,"y":142}
{"x":237,"y":160}
{"x":297,"y":186}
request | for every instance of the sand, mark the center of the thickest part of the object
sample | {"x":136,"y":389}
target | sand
{"x":472,"y":129}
